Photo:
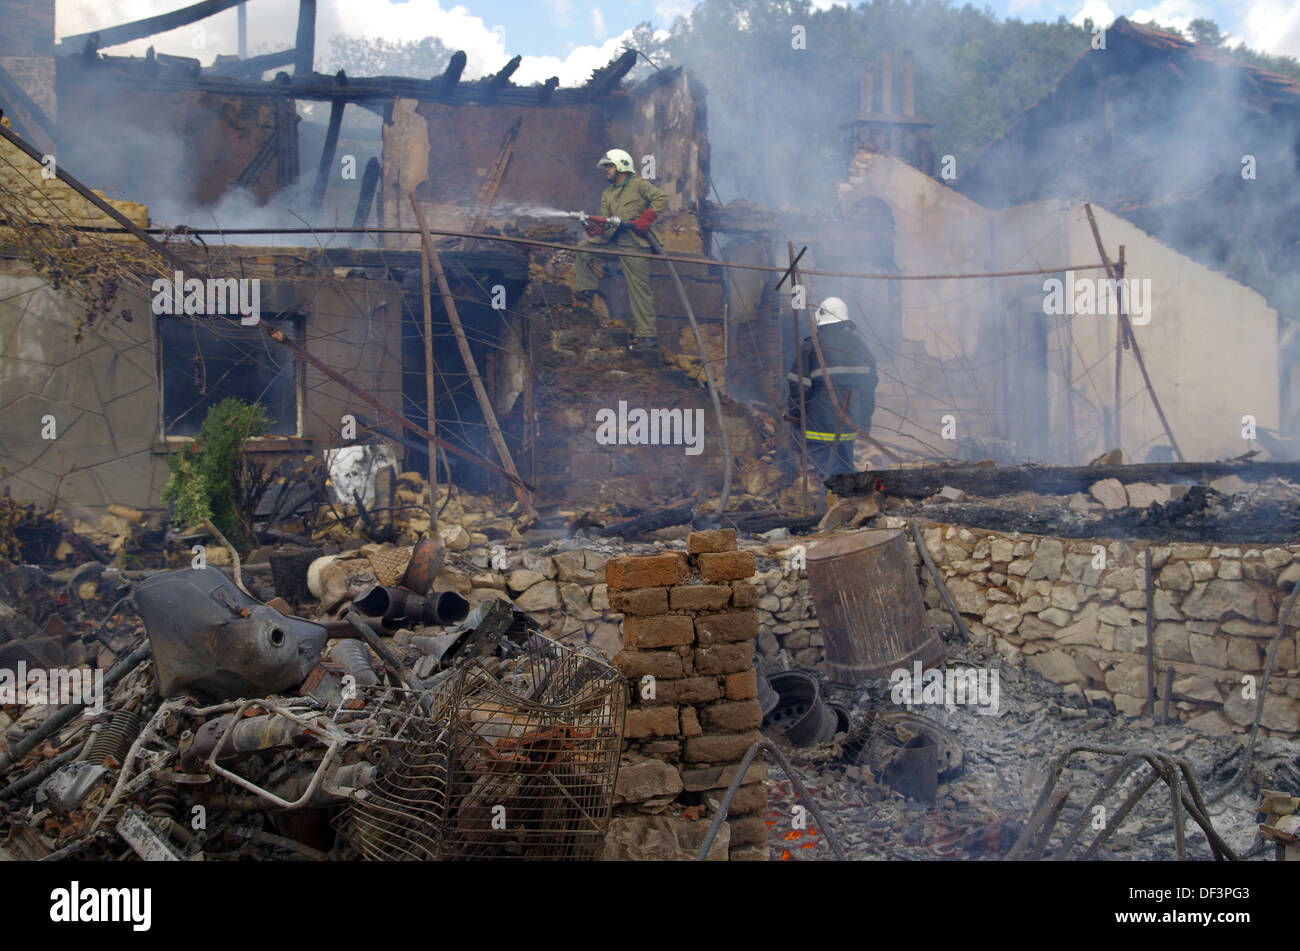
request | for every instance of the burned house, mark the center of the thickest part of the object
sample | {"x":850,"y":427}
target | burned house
{"x":1187,"y":144}
{"x":568,"y":601}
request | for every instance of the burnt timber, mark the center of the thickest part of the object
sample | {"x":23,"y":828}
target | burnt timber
{"x":989,"y":481}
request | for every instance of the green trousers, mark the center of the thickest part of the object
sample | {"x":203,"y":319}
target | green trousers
{"x":636,"y":271}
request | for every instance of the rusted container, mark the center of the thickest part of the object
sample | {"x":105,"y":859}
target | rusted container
{"x":869,"y":606}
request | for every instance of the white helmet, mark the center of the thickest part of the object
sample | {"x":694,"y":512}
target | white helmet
{"x":621,"y":161}
{"x":831,"y":311}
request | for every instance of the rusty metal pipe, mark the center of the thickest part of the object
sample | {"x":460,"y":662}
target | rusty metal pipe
{"x":398,"y":608}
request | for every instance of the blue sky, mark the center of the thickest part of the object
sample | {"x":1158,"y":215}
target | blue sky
{"x":569,"y":38}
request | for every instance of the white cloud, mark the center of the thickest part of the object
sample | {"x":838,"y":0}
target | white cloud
{"x":272,"y":24}
{"x":1177,"y":13}
{"x":1098,"y":10}
{"x":560,"y":10}
{"x":598,"y":23}
{"x":1272,"y":26}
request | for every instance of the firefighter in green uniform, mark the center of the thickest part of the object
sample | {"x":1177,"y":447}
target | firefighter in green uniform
{"x":638,"y":204}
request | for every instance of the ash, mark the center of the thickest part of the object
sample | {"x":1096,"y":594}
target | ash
{"x":983,"y":806}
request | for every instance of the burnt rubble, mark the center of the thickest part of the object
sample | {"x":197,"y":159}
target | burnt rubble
{"x":384,"y":698}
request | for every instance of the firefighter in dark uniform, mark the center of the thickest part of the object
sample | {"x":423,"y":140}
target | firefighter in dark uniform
{"x":852,"y":369}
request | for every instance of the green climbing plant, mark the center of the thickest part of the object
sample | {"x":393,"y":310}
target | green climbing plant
{"x":206,"y":475}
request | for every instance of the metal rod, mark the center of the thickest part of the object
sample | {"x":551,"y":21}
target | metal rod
{"x":768,"y":746}
{"x":489,"y":415}
{"x":94,"y":199}
{"x":1169,"y":688}
{"x":65,"y":715}
{"x":613,"y":252}
{"x":430,"y":412}
{"x":1127,"y":332}
{"x":1151,"y":642}
{"x":938,"y":581}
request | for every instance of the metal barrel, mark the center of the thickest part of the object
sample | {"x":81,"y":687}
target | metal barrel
{"x":869,"y":606}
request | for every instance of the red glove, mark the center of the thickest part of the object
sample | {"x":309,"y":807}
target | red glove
{"x":642,"y":224}
{"x":595,"y":228}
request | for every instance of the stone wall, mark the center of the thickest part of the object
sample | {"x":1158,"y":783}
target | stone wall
{"x":1075,"y":611}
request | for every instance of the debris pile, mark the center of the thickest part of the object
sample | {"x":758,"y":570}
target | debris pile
{"x":233,"y":729}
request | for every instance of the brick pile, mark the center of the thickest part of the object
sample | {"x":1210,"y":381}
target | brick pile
{"x":688,"y":652}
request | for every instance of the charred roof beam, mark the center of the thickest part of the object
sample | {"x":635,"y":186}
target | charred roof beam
{"x":139,"y":29}
{"x":606,"y":80}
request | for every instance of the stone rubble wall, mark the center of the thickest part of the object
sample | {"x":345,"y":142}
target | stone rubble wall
{"x":1041,"y":602}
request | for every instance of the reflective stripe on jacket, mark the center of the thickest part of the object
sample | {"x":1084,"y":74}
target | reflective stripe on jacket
{"x":852,"y":368}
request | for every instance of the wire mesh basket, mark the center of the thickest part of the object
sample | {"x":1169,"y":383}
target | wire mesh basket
{"x":516,"y":764}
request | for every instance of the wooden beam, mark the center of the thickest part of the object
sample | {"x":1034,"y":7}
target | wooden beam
{"x":327,"y":153}
{"x":305,"y":43}
{"x":369,"y":182}
{"x":139,"y":29}
{"x":502,"y":78}
{"x":489,"y":415}
{"x":254,"y":66}
{"x":924,"y":481}
{"x":451,"y":75}
{"x":606,"y":80}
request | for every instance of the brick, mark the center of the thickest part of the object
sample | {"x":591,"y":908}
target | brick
{"x":699,"y":597}
{"x":691,"y":722}
{"x":663,"y":665}
{"x":663,"y":630}
{"x":640,"y":601}
{"x":725,"y":658}
{"x":687,"y":691}
{"x":644,"y":722}
{"x":720,"y":748}
{"x":742,"y":685}
{"x":646,"y":571}
{"x":733,"y":717}
{"x":748,"y":830}
{"x":727,"y":566}
{"x":715,"y":540}
{"x":726,"y":628}
{"x":748,"y":799}
{"x":743,"y":594}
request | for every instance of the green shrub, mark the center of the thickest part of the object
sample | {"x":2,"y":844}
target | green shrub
{"x":205,"y":475}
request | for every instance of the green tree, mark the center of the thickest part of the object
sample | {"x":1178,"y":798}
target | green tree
{"x":362,"y":56}
{"x":1206,"y":32}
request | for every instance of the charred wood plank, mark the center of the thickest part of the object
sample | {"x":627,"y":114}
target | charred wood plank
{"x":305,"y":43}
{"x":138,"y":29}
{"x":649,"y":522}
{"x":451,"y":75}
{"x":502,"y":78}
{"x":254,"y":66}
{"x":606,"y":80}
{"x":327,"y":153}
{"x":369,"y":182}
{"x":923,"y":482}
{"x":548,"y":88}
